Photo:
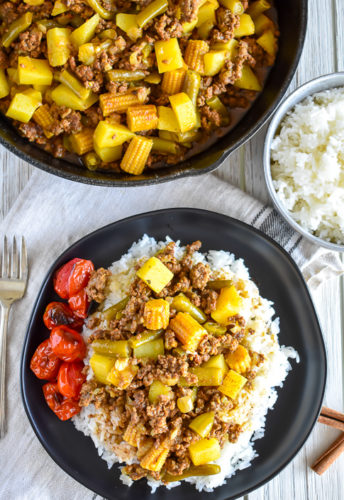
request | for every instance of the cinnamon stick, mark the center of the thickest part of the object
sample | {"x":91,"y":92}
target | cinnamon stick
{"x":331,"y":422}
{"x":328,"y":412}
{"x":329,"y":456}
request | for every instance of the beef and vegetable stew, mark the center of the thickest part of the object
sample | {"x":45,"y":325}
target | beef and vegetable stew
{"x":127,"y":85}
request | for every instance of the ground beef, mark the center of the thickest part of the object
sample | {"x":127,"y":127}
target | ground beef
{"x":32,"y":132}
{"x":186,"y":261}
{"x":168,"y":26}
{"x":167,"y":257}
{"x":209,"y":299}
{"x":97,"y":285}
{"x":66,"y":120}
{"x":226,"y":24}
{"x":30,"y":43}
{"x":211,"y":346}
{"x":189,"y":10}
{"x":199,"y":275}
{"x":3,"y":59}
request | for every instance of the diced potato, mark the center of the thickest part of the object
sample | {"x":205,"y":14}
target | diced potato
{"x":239,"y":360}
{"x":186,"y":403}
{"x":59,"y":8}
{"x":268,"y":41}
{"x":217,"y":361}
{"x":108,"y":155}
{"x":34,"y":71}
{"x":208,"y":376}
{"x":101,"y":366}
{"x":128,"y":23}
{"x":156,"y":390}
{"x":63,"y":96}
{"x":122,"y":373}
{"x":167,"y":119}
{"x":168,"y":55}
{"x":228,"y":305}
{"x":235,"y":6}
{"x":22,"y":107}
{"x":188,"y":27}
{"x":58,"y":42}
{"x":184,"y":111}
{"x":109,"y":135}
{"x":214,"y":60}
{"x":4,"y":86}
{"x":205,"y":29}
{"x":155,"y":274}
{"x":13,"y":75}
{"x":232,"y":384}
{"x":230,"y":47}
{"x":153,"y":78}
{"x":156,"y":314}
{"x":86,"y":31}
{"x":256,"y":8}
{"x":202,"y":424}
{"x":248,"y":80}
{"x":151,"y":349}
{"x":246,"y":27}
{"x":206,"y":12}
{"x":262,"y":23}
{"x":204,"y":451}
{"x":188,"y":331}
{"x":112,"y":347}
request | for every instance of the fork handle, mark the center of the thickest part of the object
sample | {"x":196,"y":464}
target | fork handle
{"x":3,"y":334}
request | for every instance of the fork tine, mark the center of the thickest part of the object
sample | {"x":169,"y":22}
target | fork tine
{"x":4,"y":261}
{"x":14,"y":259}
{"x":23,"y":260}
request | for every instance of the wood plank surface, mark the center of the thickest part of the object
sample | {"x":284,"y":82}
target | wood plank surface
{"x":323,"y":53}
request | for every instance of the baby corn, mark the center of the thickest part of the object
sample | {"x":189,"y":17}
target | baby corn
{"x":141,"y":118}
{"x":136,"y":156}
{"x":82,"y":142}
{"x":239,"y":360}
{"x":194,"y":53}
{"x":156,"y":314}
{"x":173,"y":81}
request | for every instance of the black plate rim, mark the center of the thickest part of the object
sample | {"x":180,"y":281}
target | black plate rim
{"x":50,"y":451}
{"x":188,"y":171}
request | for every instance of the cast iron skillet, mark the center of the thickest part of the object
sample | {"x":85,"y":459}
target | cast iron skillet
{"x":292,"y":18}
{"x":299,"y":402}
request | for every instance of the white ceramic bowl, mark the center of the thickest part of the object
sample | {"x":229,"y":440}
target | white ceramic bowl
{"x":314,"y":86}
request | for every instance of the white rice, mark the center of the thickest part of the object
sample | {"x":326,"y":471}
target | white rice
{"x":308,"y":164}
{"x":252,"y":405}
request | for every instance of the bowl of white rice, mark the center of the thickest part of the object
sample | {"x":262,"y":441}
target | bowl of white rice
{"x":304,"y":160}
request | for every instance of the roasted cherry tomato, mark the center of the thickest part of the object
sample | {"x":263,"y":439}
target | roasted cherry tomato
{"x":61,"y":278}
{"x":79,"y":303}
{"x":70,"y":379}
{"x":67,"y":344}
{"x":58,"y":313}
{"x":44,"y":363}
{"x":80,"y":276}
{"x":64,"y":408}
{"x":72,"y":277}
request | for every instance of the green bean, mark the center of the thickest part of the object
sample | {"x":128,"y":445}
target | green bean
{"x":46,"y":24}
{"x":76,"y":21}
{"x":97,"y":7}
{"x":123,"y":75}
{"x":164,"y":147}
{"x":199,"y":470}
{"x":143,"y":338}
{"x":216,"y":104}
{"x":73,"y":83}
{"x":152,"y":10}
{"x":192,"y":84}
{"x":109,"y":33}
{"x":183,"y":304}
{"x":112,"y":347}
{"x":215,"y":328}
{"x":92,"y":161}
{"x":218,"y":284}
{"x":110,"y":313}
{"x":15,"y":28}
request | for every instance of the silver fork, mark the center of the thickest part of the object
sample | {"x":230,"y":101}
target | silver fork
{"x":13,"y":279}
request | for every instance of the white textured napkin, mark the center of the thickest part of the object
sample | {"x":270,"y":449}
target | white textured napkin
{"x":53,"y":213}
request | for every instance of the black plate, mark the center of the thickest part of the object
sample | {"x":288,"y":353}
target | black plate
{"x":278,"y":278}
{"x":292,"y":18}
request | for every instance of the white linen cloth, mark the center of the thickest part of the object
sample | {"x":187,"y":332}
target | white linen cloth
{"x":53,"y":213}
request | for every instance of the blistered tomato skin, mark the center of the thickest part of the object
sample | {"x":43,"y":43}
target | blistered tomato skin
{"x":67,"y":343}
{"x":62,"y":277}
{"x":79,"y":303}
{"x":70,"y":379}
{"x":64,"y":408}
{"x":80,"y":276}
{"x":58,"y":313}
{"x":44,"y":363}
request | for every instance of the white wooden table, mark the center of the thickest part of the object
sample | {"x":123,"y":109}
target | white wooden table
{"x":323,"y":53}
